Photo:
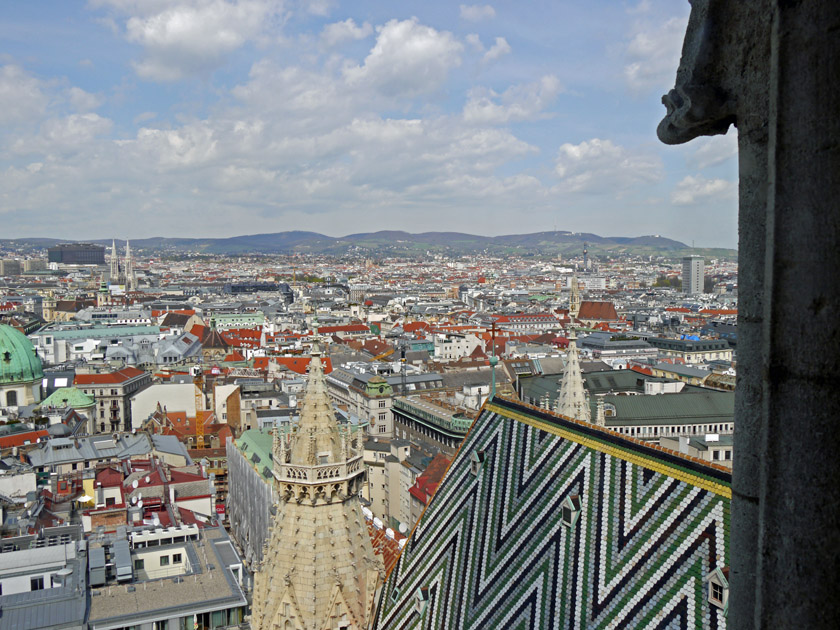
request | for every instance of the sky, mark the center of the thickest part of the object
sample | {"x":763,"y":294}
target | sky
{"x":213,"y":118}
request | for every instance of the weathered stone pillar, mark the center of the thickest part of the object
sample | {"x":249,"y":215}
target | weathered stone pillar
{"x":773,"y":68}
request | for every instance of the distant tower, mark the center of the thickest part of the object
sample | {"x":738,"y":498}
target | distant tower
{"x":586,"y":262}
{"x":693,"y":274}
{"x":319,"y":568}
{"x":573,"y":401}
{"x":574,"y":299}
{"x":114,"y":273}
{"x":130,"y":277}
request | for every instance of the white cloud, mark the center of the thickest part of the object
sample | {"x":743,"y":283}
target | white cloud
{"x":191,"y":145}
{"x":477,"y":12}
{"x":186,"y":37}
{"x":22,"y":97}
{"x":653,"y":54}
{"x":498,"y":49}
{"x":517,"y":103}
{"x":475,"y":41}
{"x":319,"y":7}
{"x":408,"y":59}
{"x":714,"y":150}
{"x":693,"y":189}
{"x":83,"y":101}
{"x":601,"y":165}
{"x":67,"y":135}
{"x":339,"y":32}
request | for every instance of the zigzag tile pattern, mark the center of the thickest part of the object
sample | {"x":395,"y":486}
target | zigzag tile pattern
{"x":493,"y":552}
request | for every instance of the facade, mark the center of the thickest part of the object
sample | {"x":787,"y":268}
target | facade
{"x":693,"y":274}
{"x":20,"y":369}
{"x":544,"y":522}
{"x":370,"y":397}
{"x":77,"y":254}
{"x":10,"y":267}
{"x":427,"y":418}
{"x":252,"y":496}
{"x":692,"y":350}
{"x":320,"y":570}
{"x":113,"y":392}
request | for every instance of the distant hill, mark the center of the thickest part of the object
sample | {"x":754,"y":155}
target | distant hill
{"x":398,"y":243}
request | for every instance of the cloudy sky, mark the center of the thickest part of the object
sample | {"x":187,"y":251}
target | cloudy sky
{"x":136,"y":118}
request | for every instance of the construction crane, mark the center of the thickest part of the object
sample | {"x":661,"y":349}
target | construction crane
{"x":387,"y":353}
{"x":198,"y":381}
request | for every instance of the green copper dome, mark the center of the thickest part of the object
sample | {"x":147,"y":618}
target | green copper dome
{"x":18,"y":361}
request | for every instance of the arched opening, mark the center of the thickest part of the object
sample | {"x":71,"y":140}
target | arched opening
{"x":11,"y":399}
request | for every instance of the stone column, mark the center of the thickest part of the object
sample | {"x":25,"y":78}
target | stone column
{"x":773,"y":68}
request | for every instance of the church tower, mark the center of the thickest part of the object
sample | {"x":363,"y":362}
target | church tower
{"x":574,"y":299}
{"x":319,"y":569}
{"x":573,"y":402}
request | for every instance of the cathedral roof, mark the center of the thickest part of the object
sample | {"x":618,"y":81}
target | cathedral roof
{"x":18,"y":361}
{"x":546,"y":522}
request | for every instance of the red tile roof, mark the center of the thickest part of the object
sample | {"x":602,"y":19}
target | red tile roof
{"x":597,"y":310}
{"x":299,"y":364}
{"x":19,"y":439}
{"x":109,"y":378}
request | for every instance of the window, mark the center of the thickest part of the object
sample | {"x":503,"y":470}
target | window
{"x":717,"y":592}
{"x":36,"y":584}
{"x":176,"y":558}
{"x":382,"y":417}
{"x":476,"y":462}
{"x":138,"y":564}
{"x":164,"y":561}
{"x":570,"y":510}
{"x":383,"y":428}
{"x":382,"y":404}
{"x":421,"y":599}
{"x":110,"y":501}
{"x":11,"y":398}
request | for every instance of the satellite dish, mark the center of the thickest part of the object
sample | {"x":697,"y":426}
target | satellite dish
{"x":403,"y":528}
{"x":139,"y":495}
{"x":134,"y":484}
{"x":140,"y":504}
{"x":134,"y":500}
{"x":148,"y":479}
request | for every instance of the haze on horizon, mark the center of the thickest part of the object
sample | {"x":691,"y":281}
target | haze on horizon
{"x":216,"y":118}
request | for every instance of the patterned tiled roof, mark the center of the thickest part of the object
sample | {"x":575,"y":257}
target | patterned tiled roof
{"x":546,"y":522}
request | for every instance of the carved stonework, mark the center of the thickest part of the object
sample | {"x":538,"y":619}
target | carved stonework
{"x":319,"y":541}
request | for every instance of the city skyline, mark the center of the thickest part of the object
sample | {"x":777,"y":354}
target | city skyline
{"x":214,"y":118}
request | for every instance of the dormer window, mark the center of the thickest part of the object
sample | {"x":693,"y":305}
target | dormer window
{"x":421,"y":600}
{"x":476,"y":462}
{"x":718,"y":588}
{"x":570,"y":510}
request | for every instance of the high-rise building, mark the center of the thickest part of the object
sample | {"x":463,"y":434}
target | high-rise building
{"x":693,"y":274}
{"x":77,"y":254}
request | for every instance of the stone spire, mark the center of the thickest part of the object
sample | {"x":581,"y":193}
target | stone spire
{"x":574,"y":299}
{"x":319,"y":568}
{"x":573,"y":401}
{"x":130,"y":278}
{"x":114,"y":272}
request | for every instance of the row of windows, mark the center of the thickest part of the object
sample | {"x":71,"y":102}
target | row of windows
{"x":164,"y":561}
{"x":670,"y":431}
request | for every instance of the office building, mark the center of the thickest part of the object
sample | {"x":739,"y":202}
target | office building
{"x":693,"y":271}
